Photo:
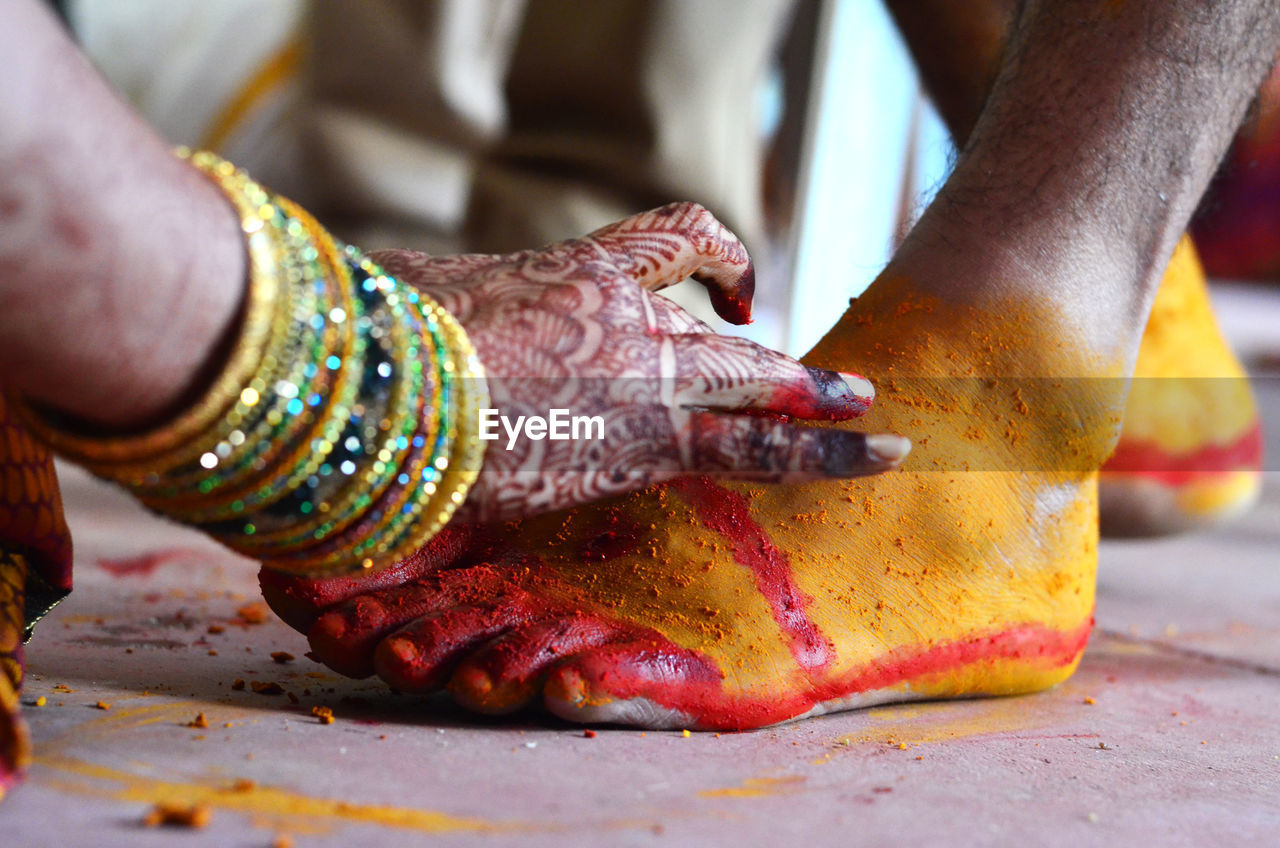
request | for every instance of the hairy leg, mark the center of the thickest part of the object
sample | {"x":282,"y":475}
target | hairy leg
{"x":1190,"y":451}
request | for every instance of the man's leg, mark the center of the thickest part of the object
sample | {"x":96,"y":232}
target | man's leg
{"x":1002,"y":335}
{"x":1190,"y":451}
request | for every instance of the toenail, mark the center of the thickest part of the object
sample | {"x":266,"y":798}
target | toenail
{"x":887,"y":447}
{"x":859,"y":385}
{"x":475,"y":683}
{"x":402,"y":649}
{"x":568,"y":685}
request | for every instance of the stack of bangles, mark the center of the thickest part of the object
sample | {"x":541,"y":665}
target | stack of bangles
{"x":341,"y":433}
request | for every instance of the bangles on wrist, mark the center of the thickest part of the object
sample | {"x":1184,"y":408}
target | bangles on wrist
{"x":339,"y":435}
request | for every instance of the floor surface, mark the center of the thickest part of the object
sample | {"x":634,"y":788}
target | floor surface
{"x":1169,"y":734}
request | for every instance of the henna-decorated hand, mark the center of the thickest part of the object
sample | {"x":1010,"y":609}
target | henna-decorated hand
{"x":576,"y":327}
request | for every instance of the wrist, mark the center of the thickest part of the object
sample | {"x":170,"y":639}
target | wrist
{"x":177,"y":323}
{"x":339,"y":430}
{"x":121,"y":272}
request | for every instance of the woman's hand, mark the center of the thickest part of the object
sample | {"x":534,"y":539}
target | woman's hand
{"x":575,"y":327}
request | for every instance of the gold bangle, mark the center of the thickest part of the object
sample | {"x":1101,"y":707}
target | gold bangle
{"x":410,"y":515}
{"x":468,"y":455}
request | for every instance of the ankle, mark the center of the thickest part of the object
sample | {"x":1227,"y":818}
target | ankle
{"x":980,"y":378}
{"x":1065,"y":299}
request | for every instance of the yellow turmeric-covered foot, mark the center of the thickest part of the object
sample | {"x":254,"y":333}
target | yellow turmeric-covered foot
{"x":716,"y":605}
{"x":1190,"y":451}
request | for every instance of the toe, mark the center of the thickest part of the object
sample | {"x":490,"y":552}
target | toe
{"x":299,"y":601}
{"x":505,"y":675}
{"x":649,"y":683}
{"x":420,"y":656}
{"x":345,"y":637}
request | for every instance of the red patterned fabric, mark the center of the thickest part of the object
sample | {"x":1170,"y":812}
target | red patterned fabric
{"x":35,"y":570}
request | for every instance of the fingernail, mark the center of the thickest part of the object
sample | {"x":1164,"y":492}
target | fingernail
{"x":859,"y":385}
{"x":887,"y":447}
{"x":735,"y":306}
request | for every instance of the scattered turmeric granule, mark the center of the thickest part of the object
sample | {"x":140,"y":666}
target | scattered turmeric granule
{"x":215,"y":629}
{"x":325,"y":714}
{"x":244,"y":784}
{"x":1090,"y":701}
{"x":41,"y":701}
{"x":902,"y":746}
{"x":254,"y":613}
{"x":238,"y":684}
{"x":262,"y":687}
{"x":102,"y":705}
{"x":685,"y":733}
{"x":199,"y":721}
{"x":213,"y":653}
{"x":178,"y":815}
{"x":62,"y":687}
{"x":282,"y":657}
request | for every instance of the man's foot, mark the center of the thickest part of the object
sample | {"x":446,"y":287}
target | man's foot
{"x":708,"y":605}
{"x":1190,"y":453}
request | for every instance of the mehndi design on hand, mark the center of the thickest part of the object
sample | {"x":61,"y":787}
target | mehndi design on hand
{"x":577,"y":326}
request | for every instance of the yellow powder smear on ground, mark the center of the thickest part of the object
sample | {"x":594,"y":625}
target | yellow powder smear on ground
{"x":58,"y":769}
{"x":303,"y":812}
{"x":923,"y":724}
{"x":123,"y":718}
{"x":756,"y":787}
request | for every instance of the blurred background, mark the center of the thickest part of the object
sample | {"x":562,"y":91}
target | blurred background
{"x":496,"y":125}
